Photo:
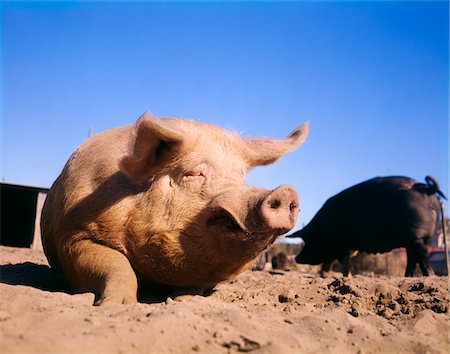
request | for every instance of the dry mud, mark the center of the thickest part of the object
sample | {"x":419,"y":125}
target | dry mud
{"x":258,"y":312}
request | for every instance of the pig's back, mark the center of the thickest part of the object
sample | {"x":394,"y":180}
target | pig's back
{"x":382,"y":213}
{"x":89,"y":168}
{"x":94,"y":162}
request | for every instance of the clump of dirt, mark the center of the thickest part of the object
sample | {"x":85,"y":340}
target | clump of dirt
{"x":386,"y":300}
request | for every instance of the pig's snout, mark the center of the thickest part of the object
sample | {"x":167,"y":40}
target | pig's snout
{"x":279,"y":209}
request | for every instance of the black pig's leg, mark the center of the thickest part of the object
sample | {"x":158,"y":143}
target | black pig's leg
{"x":326,"y":268}
{"x":411,"y":261}
{"x":422,"y":256}
{"x":346,"y":266}
{"x":417,"y":253}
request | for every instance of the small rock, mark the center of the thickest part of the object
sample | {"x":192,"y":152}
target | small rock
{"x":417,"y":287}
{"x":387,"y":313}
{"x":394,"y":306}
{"x":402,"y":300}
{"x":334,"y":298}
{"x":284,"y":298}
{"x":440,"y":308}
{"x":354,"y":312}
{"x":383,"y":333}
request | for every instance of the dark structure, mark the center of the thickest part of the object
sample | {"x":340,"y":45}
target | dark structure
{"x":20,"y":208}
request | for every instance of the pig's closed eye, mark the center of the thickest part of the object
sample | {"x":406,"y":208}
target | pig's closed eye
{"x":193,"y":181}
{"x":197,"y":175}
{"x":194,"y":174}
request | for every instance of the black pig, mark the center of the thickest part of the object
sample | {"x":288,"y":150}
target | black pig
{"x":374,"y":216}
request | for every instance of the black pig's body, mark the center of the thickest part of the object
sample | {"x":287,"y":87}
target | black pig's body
{"x":374,"y":216}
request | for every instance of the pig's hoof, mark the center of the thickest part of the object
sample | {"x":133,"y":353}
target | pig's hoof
{"x":115,"y":299}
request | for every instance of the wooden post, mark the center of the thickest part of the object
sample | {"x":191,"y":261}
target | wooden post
{"x":444,"y":232}
{"x":37,"y":242}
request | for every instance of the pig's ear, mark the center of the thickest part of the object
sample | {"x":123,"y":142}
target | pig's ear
{"x":152,"y":143}
{"x":264,"y":151}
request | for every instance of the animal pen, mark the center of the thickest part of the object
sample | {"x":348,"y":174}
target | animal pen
{"x":20,"y":215}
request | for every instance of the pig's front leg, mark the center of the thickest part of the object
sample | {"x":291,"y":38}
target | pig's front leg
{"x":102,"y":270}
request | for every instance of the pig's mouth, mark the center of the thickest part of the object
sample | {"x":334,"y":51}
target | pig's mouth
{"x":225,"y":219}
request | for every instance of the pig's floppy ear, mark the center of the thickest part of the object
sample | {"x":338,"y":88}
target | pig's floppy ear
{"x":150,"y":143}
{"x":264,"y":151}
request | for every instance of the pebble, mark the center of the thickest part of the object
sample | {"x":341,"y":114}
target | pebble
{"x":354,"y":312}
{"x":394,"y":306}
{"x":196,"y":348}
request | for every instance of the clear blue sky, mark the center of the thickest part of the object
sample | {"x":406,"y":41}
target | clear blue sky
{"x":371,"y":77}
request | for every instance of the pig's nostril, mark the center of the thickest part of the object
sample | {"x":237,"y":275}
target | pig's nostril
{"x":293,"y":206}
{"x":275,"y":204}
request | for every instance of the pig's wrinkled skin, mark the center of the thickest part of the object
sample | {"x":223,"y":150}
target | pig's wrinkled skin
{"x":163,"y":202}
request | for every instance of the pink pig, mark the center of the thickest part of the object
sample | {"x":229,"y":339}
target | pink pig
{"x":163,"y":201}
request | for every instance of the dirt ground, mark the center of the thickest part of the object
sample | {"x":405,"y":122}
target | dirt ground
{"x":260,"y":312}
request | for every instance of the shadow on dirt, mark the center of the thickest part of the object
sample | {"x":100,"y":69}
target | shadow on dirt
{"x":35,"y":275}
{"x":42,"y":277}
